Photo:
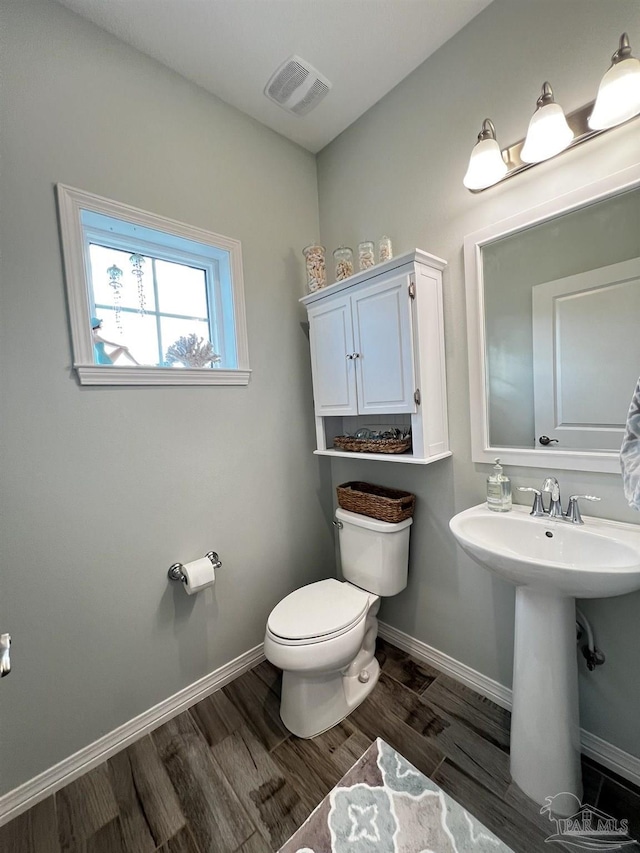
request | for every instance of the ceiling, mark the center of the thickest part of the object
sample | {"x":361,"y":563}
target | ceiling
{"x":232,"y":47}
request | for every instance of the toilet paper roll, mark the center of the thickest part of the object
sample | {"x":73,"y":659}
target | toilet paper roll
{"x":199,"y":574}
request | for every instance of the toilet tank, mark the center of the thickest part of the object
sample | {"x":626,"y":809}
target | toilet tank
{"x":374,"y":554}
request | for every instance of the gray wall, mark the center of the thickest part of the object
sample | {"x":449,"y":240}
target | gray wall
{"x":398,"y":171}
{"x":104,"y":488}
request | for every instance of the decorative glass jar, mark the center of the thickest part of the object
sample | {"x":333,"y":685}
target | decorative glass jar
{"x":366,"y":255}
{"x":343,"y":256}
{"x":315,"y":266}
{"x":385,"y":252}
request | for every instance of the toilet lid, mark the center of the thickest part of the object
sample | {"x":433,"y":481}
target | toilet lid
{"x":318,"y":609}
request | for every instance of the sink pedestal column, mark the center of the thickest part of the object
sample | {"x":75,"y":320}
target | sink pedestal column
{"x":545,"y":729}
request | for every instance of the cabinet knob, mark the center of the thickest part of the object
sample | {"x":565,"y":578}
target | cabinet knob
{"x":355,"y":355}
{"x":349,"y":356}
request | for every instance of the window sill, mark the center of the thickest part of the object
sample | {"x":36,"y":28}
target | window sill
{"x":95,"y":374}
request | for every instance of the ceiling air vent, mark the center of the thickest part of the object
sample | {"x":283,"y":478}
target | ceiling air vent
{"x":296,"y":86}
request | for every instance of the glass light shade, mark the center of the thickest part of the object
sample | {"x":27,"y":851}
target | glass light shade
{"x":548,"y":134}
{"x":486,"y":166}
{"x":618,"y":97}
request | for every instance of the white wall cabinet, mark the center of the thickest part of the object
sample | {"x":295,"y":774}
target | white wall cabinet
{"x":362,"y":351}
{"x":377,"y":356}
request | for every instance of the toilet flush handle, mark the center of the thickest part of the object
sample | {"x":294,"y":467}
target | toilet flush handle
{"x":5,"y":660}
{"x":338,"y":524}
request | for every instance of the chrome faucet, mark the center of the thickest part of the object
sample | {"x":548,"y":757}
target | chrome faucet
{"x":552,"y":486}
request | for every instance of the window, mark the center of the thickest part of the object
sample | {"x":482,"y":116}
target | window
{"x":152,"y":301}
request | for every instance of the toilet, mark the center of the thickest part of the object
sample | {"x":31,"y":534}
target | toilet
{"x":323,"y":635}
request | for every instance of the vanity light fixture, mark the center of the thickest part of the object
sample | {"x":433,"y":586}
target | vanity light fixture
{"x":486,"y":166}
{"x":551,"y":132}
{"x":618,"y":97}
{"x":548,"y":133}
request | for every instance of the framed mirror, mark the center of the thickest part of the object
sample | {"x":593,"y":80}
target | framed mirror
{"x":553,"y":311}
{"x":151,"y":301}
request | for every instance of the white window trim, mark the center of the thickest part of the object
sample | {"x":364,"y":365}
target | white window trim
{"x":71,"y":202}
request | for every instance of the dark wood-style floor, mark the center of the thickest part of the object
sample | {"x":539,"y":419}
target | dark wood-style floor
{"x":226,"y":775}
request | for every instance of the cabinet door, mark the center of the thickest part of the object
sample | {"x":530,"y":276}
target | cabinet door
{"x":332,"y":364}
{"x":383,"y":339}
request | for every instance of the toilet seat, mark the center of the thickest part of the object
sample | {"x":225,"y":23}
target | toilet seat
{"x":318,"y":612}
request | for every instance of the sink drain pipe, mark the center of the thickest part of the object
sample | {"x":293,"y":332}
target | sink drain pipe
{"x":592,"y":654}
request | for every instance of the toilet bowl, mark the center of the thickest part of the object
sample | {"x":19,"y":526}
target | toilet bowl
{"x":323,"y":635}
{"x":323,"y":638}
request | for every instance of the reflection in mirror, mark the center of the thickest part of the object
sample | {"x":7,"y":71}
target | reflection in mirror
{"x":151,"y":300}
{"x":562,"y":303}
{"x":553,"y":301}
{"x":586,"y":355}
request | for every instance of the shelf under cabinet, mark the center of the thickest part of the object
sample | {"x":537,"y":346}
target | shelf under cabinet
{"x":384,"y":457}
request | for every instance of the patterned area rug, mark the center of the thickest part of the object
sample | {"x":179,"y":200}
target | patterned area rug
{"x":385,"y":805}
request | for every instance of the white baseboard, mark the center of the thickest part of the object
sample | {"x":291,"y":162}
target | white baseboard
{"x":611,"y":757}
{"x":605,"y":753}
{"x":27,"y":795}
{"x":493,"y":690}
{"x":20,"y":799}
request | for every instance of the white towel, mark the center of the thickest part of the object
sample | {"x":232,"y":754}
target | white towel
{"x":630,"y":452}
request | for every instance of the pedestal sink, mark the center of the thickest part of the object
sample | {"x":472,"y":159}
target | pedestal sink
{"x":552,"y":562}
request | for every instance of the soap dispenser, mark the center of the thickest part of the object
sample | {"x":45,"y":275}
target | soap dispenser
{"x":498,"y":490}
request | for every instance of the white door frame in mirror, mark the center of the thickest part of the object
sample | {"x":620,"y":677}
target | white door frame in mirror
{"x":482,"y":451}
{"x":71,"y":203}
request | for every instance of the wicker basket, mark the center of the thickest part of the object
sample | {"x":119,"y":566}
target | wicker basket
{"x":372,"y":445}
{"x":378,"y":502}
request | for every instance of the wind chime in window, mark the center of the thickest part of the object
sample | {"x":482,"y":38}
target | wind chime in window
{"x":137,"y":262}
{"x":115,"y":282}
{"x":115,"y":274}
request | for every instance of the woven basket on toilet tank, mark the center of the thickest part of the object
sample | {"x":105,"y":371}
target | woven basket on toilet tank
{"x":379,"y":502}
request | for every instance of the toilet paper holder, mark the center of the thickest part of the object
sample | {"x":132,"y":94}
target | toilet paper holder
{"x":176,"y":571}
